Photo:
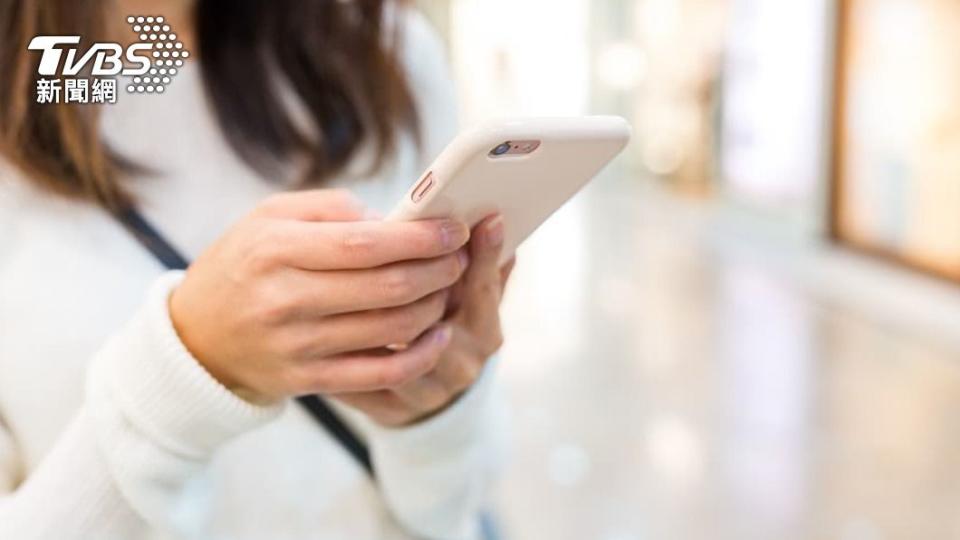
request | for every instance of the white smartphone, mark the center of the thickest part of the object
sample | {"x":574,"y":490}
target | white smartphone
{"x":524,"y":169}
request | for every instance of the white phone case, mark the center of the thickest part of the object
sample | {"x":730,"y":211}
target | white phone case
{"x":469,"y":184}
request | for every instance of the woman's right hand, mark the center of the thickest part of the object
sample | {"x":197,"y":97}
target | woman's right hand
{"x":302,"y":296}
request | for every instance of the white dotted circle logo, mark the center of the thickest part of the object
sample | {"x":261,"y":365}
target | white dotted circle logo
{"x":167,"y":55}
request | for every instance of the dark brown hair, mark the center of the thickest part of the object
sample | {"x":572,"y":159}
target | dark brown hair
{"x":337,"y":57}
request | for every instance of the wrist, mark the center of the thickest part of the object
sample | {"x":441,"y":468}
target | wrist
{"x":179,"y":320}
{"x":429,"y":415}
{"x":146,"y":374}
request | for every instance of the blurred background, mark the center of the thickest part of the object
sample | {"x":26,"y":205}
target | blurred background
{"x":749,"y":326}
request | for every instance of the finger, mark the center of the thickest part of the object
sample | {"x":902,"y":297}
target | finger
{"x":369,"y":244}
{"x":425,"y":395}
{"x":482,"y":284}
{"x":398,"y":284}
{"x":454,"y":299}
{"x":506,"y":271}
{"x":461,"y":365}
{"x":314,"y":205}
{"x":458,"y":369}
{"x":371,"y":329}
{"x":485,"y":251}
{"x":366,"y":372}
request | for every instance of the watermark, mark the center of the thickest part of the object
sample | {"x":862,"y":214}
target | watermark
{"x":147,"y":65}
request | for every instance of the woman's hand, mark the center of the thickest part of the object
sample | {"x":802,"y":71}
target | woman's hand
{"x":280,"y":304}
{"x":475,"y":323}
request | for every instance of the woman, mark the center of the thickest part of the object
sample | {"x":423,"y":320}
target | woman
{"x":168,"y":417}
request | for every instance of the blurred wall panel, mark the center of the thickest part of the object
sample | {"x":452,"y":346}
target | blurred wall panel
{"x":514,"y":58}
{"x":898,"y":167}
{"x":776,"y":107}
{"x":681,"y":42}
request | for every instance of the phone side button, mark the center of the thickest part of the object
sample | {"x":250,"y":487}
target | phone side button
{"x":422,"y":188}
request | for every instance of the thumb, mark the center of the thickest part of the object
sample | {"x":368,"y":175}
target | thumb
{"x":485,"y":251}
{"x":482,"y":284}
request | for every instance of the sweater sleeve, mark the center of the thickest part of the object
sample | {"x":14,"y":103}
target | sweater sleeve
{"x":9,"y":467}
{"x":435,"y":476}
{"x":152,"y":417}
{"x":426,"y":62}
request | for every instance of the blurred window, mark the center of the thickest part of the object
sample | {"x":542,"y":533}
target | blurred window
{"x":898,"y":169}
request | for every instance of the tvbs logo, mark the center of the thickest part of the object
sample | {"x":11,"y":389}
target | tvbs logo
{"x":148,"y":64}
{"x":107,"y":57}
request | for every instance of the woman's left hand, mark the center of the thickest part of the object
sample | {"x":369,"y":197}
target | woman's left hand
{"x":476,"y":335}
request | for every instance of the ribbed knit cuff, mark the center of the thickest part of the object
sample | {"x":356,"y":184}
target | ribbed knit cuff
{"x":163,"y":391}
{"x":461,"y":426}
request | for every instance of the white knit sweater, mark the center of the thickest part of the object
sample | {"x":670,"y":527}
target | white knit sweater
{"x":109,"y":429}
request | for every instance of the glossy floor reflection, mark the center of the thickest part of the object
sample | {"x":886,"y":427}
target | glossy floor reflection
{"x":673,"y":380}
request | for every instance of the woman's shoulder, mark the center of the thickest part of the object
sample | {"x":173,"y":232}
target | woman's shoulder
{"x":422,"y":50}
{"x":38,"y":227}
{"x":26,"y":209}
{"x":17,"y":197}
{"x":418,"y":34}
{"x":13,"y":187}
{"x":62,"y":261}
{"x":424,"y":55}
{"x":24,"y":199}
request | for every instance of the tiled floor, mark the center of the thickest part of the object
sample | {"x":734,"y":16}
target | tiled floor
{"x":674,"y":379}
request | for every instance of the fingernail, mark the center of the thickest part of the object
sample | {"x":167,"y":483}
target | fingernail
{"x":464,"y":259}
{"x":495,"y":232}
{"x":443,"y":335}
{"x":451,"y":233}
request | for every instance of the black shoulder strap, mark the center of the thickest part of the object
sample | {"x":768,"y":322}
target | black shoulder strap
{"x":151,"y":239}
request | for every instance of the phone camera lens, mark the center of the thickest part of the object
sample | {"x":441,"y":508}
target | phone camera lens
{"x":502,"y":149}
